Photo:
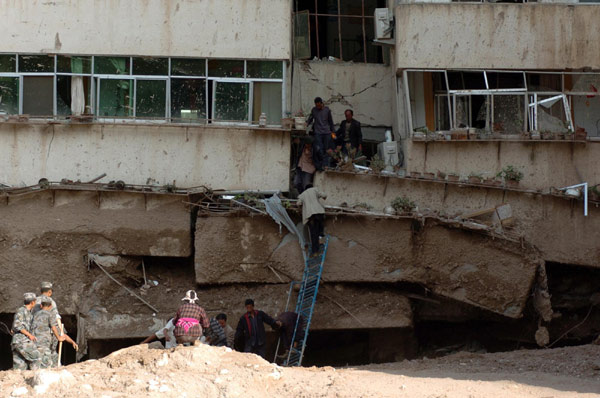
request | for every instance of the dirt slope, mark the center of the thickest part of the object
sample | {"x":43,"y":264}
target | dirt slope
{"x":209,"y":372}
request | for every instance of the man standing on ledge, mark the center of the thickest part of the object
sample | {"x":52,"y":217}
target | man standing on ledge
{"x":251,"y":328}
{"x":324,"y":129}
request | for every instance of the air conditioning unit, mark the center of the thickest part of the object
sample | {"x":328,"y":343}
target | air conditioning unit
{"x":391,"y":153}
{"x":383,"y":23}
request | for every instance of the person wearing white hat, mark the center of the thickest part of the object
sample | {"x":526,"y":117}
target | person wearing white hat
{"x":24,"y":350}
{"x":190,"y":320}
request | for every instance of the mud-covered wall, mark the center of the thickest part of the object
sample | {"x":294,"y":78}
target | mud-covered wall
{"x":543,"y":164}
{"x":258,"y":29}
{"x":556,"y":226}
{"x":453,"y":263}
{"x":218,"y":157}
{"x":496,"y":36}
{"x":367,"y":89}
{"x":45,"y":236}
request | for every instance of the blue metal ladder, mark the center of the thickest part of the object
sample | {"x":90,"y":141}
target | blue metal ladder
{"x":305,"y":305}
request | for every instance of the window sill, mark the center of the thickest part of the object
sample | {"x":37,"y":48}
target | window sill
{"x":417,"y":139}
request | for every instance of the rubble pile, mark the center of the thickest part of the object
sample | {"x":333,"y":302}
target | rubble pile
{"x":203,"y":371}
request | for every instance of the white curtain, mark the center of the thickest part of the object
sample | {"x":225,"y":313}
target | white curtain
{"x":77,"y":95}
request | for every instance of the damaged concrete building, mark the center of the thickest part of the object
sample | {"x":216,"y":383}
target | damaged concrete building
{"x":433,"y":253}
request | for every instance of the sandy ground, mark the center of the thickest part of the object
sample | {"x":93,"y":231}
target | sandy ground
{"x":203,"y":371}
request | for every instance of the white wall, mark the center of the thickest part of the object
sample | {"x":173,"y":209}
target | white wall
{"x":501,"y":36}
{"x":368,"y":89}
{"x":221,"y":158}
{"x":191,"y":28}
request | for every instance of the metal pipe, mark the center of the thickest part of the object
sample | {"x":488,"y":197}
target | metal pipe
{"x":585,"y":195}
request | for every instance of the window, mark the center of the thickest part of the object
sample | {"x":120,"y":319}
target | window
{"x":342,"y":29}
{"x":9,"y":95}
{"x":181,"y":90}
{"x":504,"y":102}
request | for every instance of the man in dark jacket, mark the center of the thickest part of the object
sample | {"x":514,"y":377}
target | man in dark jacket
{"x":251,"y":329}
{"x":287,"y":324}
{"x":349,"y":133}
{"x":323,"y":128}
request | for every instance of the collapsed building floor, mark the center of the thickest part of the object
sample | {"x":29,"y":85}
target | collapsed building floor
{"x":424,"y":283}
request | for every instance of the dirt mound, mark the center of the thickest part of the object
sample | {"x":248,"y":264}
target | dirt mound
{"x":203,"y":371}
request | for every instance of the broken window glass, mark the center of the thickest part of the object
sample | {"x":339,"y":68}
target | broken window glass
{"x":267,"y":99}
{"x":188,"y":99}
{"x":111,"y":65}
{"x":9,"y":95}
{"x":225,"y":68}
{"x":8,"y":63}
{"x":38,"y":95}
{"x":116,"y":97}
{"x":264,"y":69}
{"x":188,"y":67}
{"x":509,"y":114}
{"x":36,"y":63}
{"x":586,"y":112}
{"x":150,"y":98}
{"x":329,"y":6}
{"x":302,"y":35}
{"x":73,"y":95}
{"x":231,"y":101}
{"x":151,"y":66}
{"x":74,"y":64}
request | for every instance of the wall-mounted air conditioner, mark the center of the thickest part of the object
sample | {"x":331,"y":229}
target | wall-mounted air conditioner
{"x":383,"y":24}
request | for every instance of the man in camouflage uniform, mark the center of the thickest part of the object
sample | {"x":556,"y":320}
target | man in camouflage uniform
{"x":24,"y":350}
{"x":46,"y":291}
{"x":44,"y":327}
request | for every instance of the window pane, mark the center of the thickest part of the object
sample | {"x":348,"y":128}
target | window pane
{"x":544,"y":82}
{"x":73,"y":95}
{"x":498,"y":80}
{"x":111,"y":65}
{"x":352,"y":40}
{"x":225,"y":68}
{"x":374,"y":53}
{"x":329,"y":6}
{"x":150,"y":98}
{"x":267,"y":99}
{"x":306,"y":5}
{"x":8,"y":63}
{"x":115,"y":97}
{"x":37,"y":95}
{"x":328,"y":35}
{"x":9,"y":95}
{"x":151,"y":66}
{"x":264,"y":69}
{"x":351,"y":7}
{"x":188,"y":67}
{"x":36,"y":63}
{"x":188,"y":99}
{"x":67,"y":64}
{"x":302,"y":35}
{"x":231,"y":101}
